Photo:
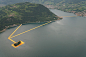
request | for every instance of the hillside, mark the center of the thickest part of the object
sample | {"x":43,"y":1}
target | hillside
{"x":50,"y":2}
{"x":32,"y":1}
{"x":77,"y":8}
{"x":24,"y":13}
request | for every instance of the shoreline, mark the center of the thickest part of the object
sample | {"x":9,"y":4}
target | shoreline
{"x":81,"y":14}
{"x":77,"y":14}
{"x":15,"y":25}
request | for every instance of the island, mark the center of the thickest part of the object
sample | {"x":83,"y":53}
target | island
{"x":23,"y":13}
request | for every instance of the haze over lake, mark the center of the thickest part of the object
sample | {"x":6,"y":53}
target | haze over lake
{"x":63,"y":38}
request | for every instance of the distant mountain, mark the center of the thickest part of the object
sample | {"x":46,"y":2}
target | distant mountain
{"x":74,"y":1}
{"x":33,"y":1}
{"x":24,"y":13}
{"x":39,"y":1}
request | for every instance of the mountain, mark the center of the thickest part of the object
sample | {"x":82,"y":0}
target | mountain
{"x":32,"y":1}
{"x":74,"y":1}
{"x":24,"y":13}
{"x":39,"y":1}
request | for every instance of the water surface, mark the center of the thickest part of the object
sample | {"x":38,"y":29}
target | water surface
{"x":63,"y":38}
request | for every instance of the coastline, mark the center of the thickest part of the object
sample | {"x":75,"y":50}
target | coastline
{"x":81,"y":14}
{"x":15,"y":25}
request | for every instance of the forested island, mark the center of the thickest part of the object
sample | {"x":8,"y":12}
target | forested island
{"x":22,"y":13}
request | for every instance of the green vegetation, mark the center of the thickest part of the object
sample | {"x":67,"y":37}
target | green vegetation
{"x":24,"y":13}
{"x":78,"y":7}
{"x":65,"y":5}
{"x":48,"y":2}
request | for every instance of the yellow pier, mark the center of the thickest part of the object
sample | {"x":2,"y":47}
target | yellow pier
{"x":13,"y":40}
{"x":68,"y":16}
{"x":19,"y":43}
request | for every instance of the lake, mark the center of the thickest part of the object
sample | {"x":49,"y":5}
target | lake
{"x":63,"y":38}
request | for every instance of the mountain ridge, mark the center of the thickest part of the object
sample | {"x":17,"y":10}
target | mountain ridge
{"x":39,"y":1}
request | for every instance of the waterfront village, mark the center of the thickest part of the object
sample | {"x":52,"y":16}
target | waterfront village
{"x":82,"y":13}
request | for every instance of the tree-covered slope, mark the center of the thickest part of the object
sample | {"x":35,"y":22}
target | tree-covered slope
{"x":39,"y":1}
{"x":24,"y":13}
{"x":77,"y":8}
{"x":33,"y":1}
